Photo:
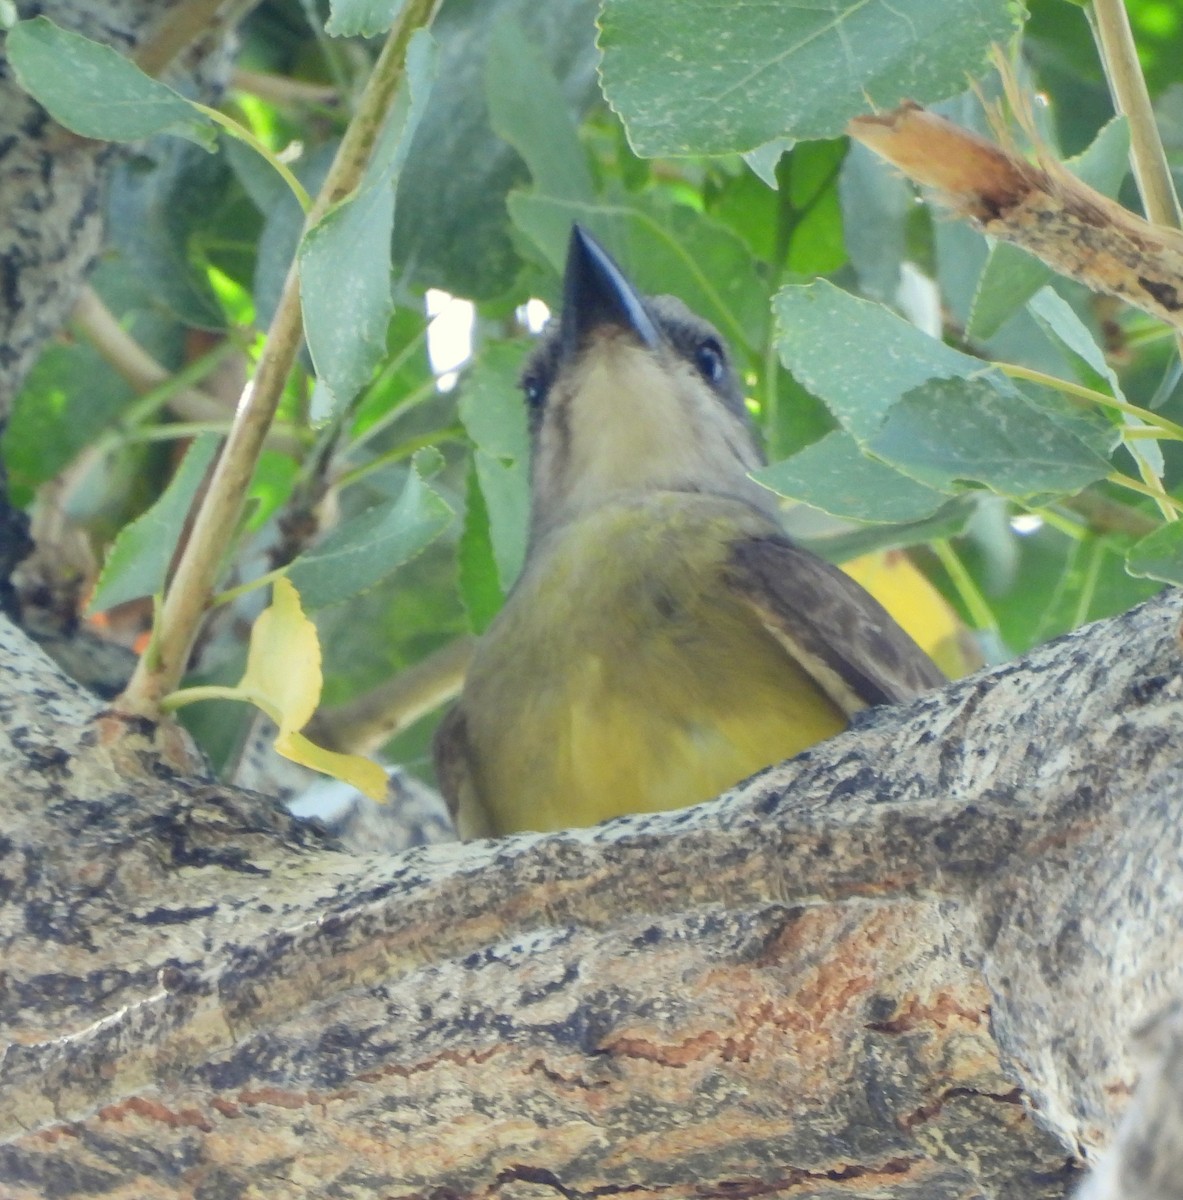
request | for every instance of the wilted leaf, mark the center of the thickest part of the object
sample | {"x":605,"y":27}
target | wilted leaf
{"x":362,"y":773}
{"x":283,"y":679}
{"x":282,"y":674}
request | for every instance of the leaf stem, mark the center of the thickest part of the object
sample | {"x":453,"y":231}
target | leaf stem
{"x":191,"y":695}
{"x":251,"y":585}
{"x":240,"y":131}
{"x":1095,"y":549}
{"x":404,"y":450}
{"x":158,"y":673}
{"x":980,"y":612}
{"x":1079,"y":392}
{"x":1161,"y":498}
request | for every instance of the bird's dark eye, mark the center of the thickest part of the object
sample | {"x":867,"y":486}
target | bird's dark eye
{"x":535,"y":390}
{"x":708,"y":358}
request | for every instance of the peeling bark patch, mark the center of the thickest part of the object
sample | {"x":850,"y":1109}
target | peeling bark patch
{"x":1165,"y":293}
{"x":534,"y":995}
{"x":150,"y":1110}
{"x":942,"y":1013}
{"x":520,"y":1173}
{"x":174,"y":916}
{"x":928,"y":1111}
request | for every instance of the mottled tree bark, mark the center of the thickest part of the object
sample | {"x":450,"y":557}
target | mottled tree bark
{"x":906,"y":964}
{"x":51,"y":182}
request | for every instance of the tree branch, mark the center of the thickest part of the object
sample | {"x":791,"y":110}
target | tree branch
{"x":906,"y":962}
{"x":160,"y":669}
{"x":1044,"y":209}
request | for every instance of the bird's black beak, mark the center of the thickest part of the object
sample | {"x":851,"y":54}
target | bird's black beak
{"x":596,"y":293}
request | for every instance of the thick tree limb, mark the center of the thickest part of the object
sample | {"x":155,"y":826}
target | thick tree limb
{"x":905,"y":964}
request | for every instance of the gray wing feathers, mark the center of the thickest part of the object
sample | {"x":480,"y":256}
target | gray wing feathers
{"x":844,"y":637}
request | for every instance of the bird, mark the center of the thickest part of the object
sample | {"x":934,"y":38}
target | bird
{"x":665,"y":639}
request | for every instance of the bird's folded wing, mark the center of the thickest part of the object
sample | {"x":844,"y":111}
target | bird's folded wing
{"x":842,"y":636}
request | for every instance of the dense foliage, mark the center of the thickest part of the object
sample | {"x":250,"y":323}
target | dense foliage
{"x":706,"y":149}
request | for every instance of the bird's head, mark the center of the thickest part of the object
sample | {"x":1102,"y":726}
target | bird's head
{"x":630,"y":394}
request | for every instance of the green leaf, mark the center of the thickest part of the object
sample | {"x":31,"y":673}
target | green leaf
{"x":345,"y":285}
{"x":365,"y":550}
{"x":480,"y":587}
{"x":528,"y":109}
{"x":362,"y":18}
{"x":283,"y":225}
{"x":95,"y":91}
{"x":452,"y":230}
{"x":505,"y":486}
{"x":491,"y":404}
{"x":1059,"y":319}
{"x":816,"y":243}
{"x":1159,"y":556}
{"x":858,"y":356}
{"x":662,"y":247}
{"x":719,"y":76}
{"x":68,"y":399}
{"x":949,"y":521}
{"x":138,"y":561}
{"x":983,"y":430}
{"x":160,"y":206}
{"x":836,"y":476}
{"x":764,"y":159}
{"x":876,"y":204}
{"x":1010,"y":278}
{"x":494,"y":415}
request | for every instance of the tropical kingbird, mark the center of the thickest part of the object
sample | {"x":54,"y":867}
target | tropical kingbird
{"x":665,"y":638}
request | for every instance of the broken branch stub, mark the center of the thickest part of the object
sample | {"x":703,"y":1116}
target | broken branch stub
{"x":1042,"y":208}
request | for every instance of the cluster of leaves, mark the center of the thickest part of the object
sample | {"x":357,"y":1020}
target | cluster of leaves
{"x":717,"y":171}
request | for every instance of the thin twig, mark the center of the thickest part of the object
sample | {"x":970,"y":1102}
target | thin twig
{"x":279,"y":89}
{"x":161,"y":667}
{"x":368,"y":722}
{"x":1119,"y":56}
{"x":1127,"y":86}
{"x":183,"y":25}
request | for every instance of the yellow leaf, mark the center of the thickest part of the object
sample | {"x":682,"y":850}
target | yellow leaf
{"x":283,"y":662}
{"x":361,"y":773}
{"x":899,"y":585}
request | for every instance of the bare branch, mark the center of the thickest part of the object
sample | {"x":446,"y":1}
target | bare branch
{"x":1044,"y":209}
